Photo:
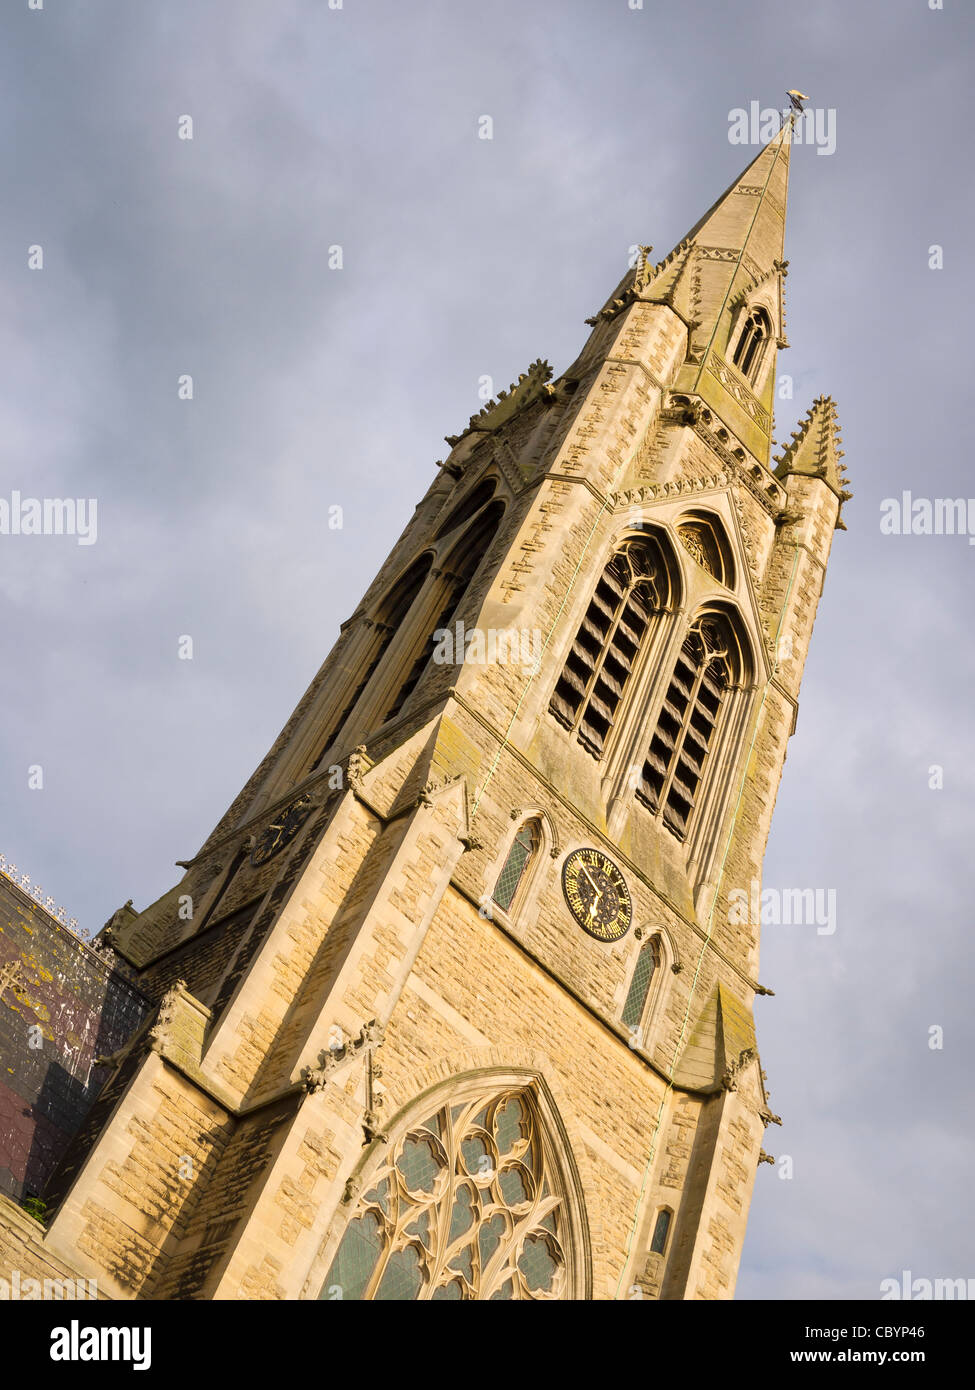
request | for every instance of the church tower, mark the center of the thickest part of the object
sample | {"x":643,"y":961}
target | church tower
{"x":456,"y":999}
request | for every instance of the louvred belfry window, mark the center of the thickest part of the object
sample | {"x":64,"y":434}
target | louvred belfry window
{"x":672,"y":772}
{"x":590,"y":689}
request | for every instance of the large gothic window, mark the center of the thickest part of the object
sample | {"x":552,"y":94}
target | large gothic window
{"x":750,"y":347}
{"x":459,"y":570}
{"x":674,"y":765}
{"x":630,"y":591}
{"x":468,"y":1205}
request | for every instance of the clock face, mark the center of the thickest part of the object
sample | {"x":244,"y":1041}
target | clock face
{"x":597,"y":894}
{"x":280,"y":832}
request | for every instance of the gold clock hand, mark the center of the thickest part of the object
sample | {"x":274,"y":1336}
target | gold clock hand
{"x":591,"y":879}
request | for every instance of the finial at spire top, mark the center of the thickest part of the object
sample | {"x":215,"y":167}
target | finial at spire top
{"x":796,"y":99}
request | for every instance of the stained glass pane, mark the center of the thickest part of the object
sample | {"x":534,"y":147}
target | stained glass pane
{"x":464,"y":1262}
{"x":453,"y":1291}
{"x":509,"y":1124}
{"x":489,"y":1237}
{"x":354,"y":1260}
{"x":402,"y":1277}
{"x":476,"y":1151}
{"x":636,"y":996}
{"x":505,"y":1291}
{"x":462,"y":1216}
{"x":379,"y":1195}
{"x":514,"y":1186}
{"x":514,"y":867}
{"x":421,"y":1228}
{"x":660,"y":1233}
{"x":419,"y":1164}
{"x":537,"y":1263}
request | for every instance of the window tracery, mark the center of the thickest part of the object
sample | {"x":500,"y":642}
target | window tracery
{"x":468,"y":1205}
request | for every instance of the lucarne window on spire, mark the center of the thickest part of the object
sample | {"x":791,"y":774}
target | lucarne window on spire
{"x":750,"y":347}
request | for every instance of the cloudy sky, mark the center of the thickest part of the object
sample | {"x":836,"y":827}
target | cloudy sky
{"x":316,"y":387}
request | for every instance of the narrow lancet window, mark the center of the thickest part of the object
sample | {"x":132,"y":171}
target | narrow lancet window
{"x":639,"y":991}
{"x":513,"y":875}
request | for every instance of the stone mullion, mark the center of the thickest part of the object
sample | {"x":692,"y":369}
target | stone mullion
{"x":503,"y":1260}
{"x":441,"y":1250}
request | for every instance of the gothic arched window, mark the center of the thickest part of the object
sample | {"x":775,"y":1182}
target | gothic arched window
{"x":460,"y":570}
{"x":674,"y":765}
{"x":647,"y":962}
{"x":750,"y":347}
{"x":630,"y":591}
{"x":392,"y":612}
{"x":661,"y":1229}
{"x":526,"y":844}
{"x":470,"y":1204}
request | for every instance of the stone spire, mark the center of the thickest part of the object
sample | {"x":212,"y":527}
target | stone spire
{"x":728,"y":263}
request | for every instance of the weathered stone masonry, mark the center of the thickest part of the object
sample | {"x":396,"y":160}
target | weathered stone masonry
{"x":348,"y":971}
